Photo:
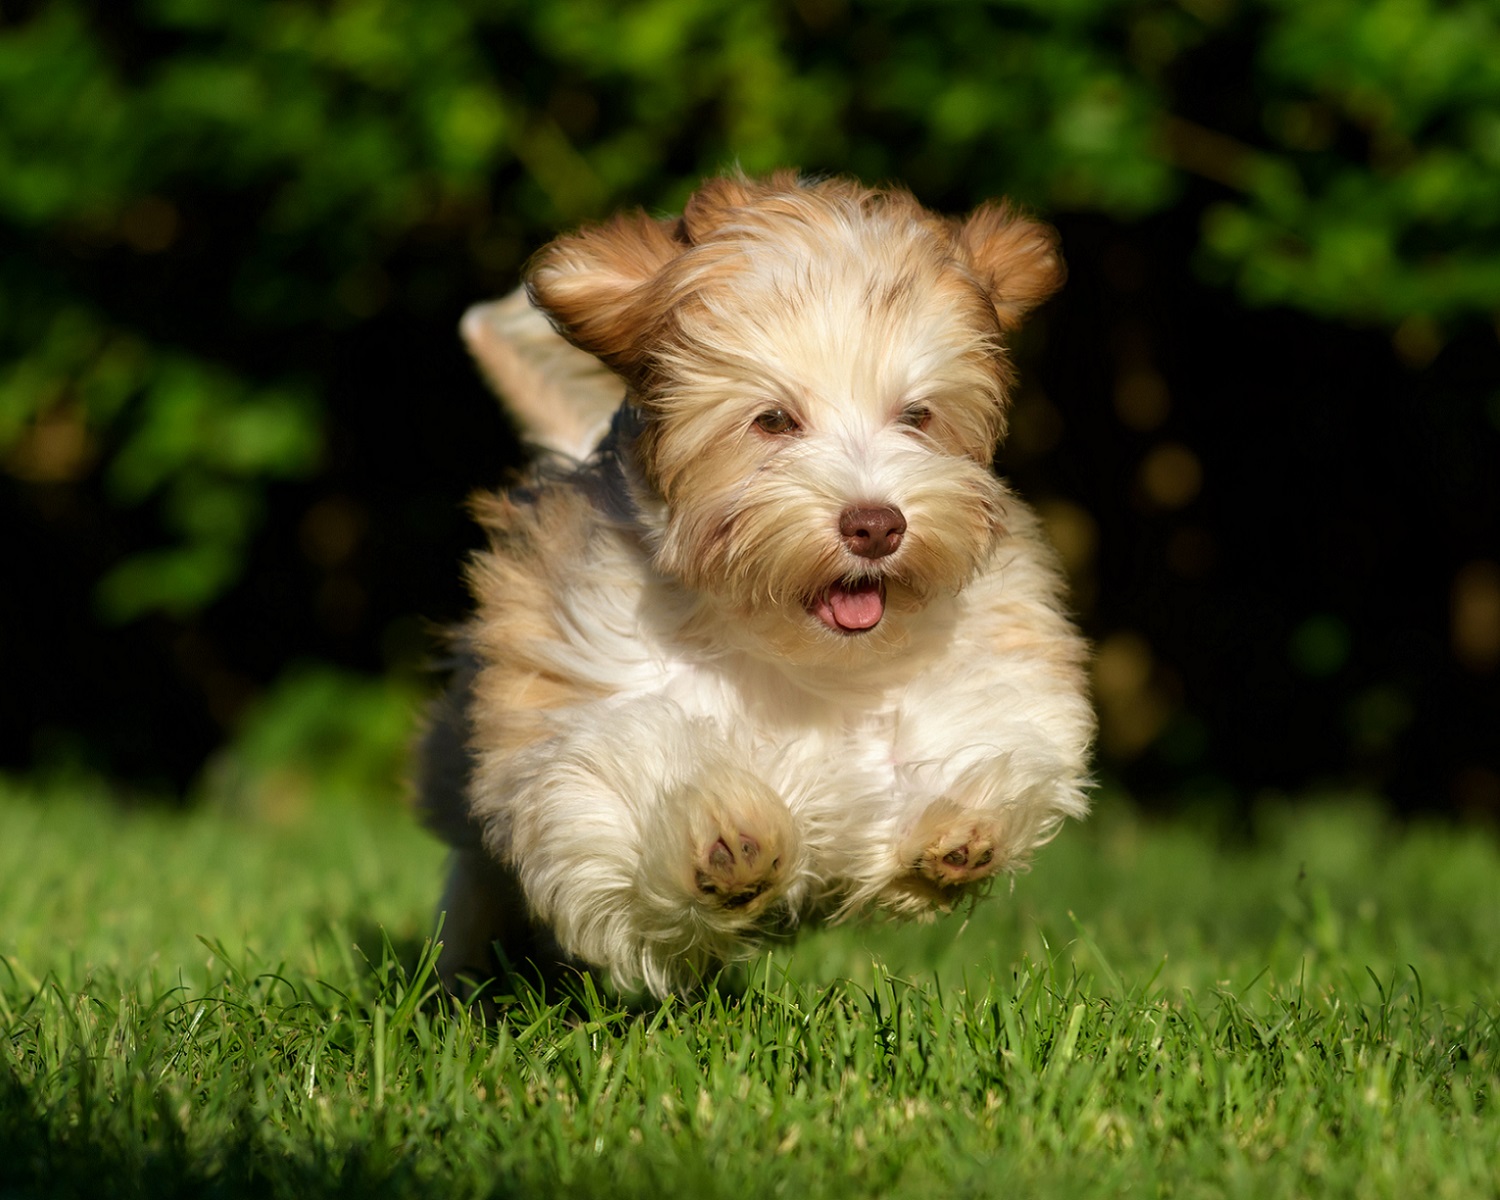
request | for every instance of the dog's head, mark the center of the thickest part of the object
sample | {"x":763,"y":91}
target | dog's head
{"x":823,"y":376}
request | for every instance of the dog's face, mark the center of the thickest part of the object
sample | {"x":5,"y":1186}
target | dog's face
{"x":824,"y":380}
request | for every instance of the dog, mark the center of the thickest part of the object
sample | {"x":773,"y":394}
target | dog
{"x":768,"y":641}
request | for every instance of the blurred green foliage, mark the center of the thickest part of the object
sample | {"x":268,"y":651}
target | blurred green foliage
{"x":199,"y":197}
{"x":320,"y":736}
{"x":1364,"y":180}
{"x":1376,"y":193}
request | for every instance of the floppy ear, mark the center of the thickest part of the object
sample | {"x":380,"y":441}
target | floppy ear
{"x":1015,"y":258}
{"x":707,"y":206}
{"x":714,"y":201}
{"x":594,"y":285}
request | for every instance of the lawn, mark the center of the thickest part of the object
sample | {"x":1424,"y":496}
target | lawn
{"x":222,"y":1005}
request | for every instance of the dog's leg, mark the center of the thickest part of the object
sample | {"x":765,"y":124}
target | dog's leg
{"x":643,"y":841}
{"x":988,"y":821}
{"x":951,"y":847}
{"x":487,"y":930}
{"x":723,"y":844}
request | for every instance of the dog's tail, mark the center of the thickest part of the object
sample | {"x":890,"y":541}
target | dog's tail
{"x":561,"y":397}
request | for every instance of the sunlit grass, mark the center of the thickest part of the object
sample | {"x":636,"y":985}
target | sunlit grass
{"x":210,"y":1004}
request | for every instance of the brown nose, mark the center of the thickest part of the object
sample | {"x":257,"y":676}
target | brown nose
{"x":872,"y":532}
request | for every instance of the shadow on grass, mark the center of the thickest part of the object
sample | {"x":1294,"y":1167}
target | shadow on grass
{"x":78,"y":1150}
{"x":521,"y":990}
{"x":510,"y":990}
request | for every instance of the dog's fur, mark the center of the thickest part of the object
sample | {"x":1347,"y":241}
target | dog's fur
{"x":784,"y":645}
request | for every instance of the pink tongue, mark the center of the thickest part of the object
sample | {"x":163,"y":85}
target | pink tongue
{"x":857,"y":607}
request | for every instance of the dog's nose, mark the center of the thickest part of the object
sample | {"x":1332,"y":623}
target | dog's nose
{"x":872,"y":532}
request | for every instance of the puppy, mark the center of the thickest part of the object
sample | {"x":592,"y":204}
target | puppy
{"x":782,"y":646}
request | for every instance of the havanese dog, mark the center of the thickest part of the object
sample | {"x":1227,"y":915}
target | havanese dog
{"x":767,"y":640}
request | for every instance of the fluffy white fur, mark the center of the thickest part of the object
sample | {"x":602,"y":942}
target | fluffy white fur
{"x":683,"y":730}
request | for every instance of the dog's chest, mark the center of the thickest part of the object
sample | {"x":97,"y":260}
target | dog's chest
{"x":864,"y":738}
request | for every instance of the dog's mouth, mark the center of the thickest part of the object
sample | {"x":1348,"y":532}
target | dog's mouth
{"x":851,"y":605}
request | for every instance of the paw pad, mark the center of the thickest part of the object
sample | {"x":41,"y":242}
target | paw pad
{"x":736,"y":872}
{"x":959,"y":856}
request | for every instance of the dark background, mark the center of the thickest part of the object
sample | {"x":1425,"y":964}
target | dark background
{"x":237,"y":427}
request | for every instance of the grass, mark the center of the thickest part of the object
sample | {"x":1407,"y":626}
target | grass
{"x":211,"y":1005}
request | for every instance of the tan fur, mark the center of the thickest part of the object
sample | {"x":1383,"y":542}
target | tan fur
{"x":592,"y":284}
{"x":1016,"y":259}
{"x":518,"y":586}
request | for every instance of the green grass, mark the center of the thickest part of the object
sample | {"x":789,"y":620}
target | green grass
{"x":213,"y":1005}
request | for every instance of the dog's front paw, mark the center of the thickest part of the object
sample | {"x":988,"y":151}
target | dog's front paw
{"x":742,"y":845}
{"x":962,"y":854}
{"x":738,"y":871}
{"x":944,"y":856}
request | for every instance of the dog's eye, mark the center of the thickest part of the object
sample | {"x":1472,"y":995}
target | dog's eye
{"x":776,"y":420}
{"x":916,"y":416}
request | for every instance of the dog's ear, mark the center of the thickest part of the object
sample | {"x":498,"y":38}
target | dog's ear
{"x":709,"y":206}
{"x":1015,"y":258}
{"x":595,"y":286}
{"x":706,"y":207}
